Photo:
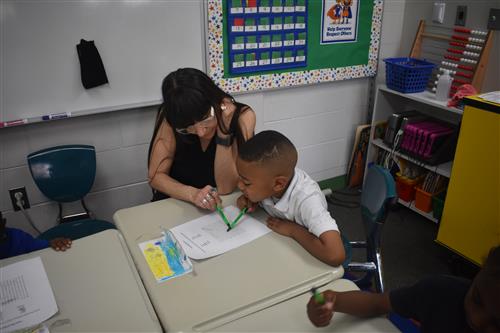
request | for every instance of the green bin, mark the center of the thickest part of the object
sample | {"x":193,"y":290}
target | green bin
{"x":438,"y":204}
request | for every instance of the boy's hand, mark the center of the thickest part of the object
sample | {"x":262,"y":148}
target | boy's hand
{"x":281,"y":226}
{"x":60,"y":244}
{"x":243,"y":202}
{"x":321,"y":314}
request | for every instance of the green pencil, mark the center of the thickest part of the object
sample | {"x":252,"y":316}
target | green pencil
{"x":242,"y":212}
{"x":318,"y":297}
{"x":223,"y":216}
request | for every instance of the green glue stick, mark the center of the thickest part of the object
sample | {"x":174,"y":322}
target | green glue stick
{"x":318,"y":297}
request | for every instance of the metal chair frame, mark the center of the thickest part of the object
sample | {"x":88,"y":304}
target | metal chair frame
{"x":373,"y":222}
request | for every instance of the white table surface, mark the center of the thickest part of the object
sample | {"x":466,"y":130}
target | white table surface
{"x":96,"y":287}
{"x":264,"y":272}
{"x":291,"y":316}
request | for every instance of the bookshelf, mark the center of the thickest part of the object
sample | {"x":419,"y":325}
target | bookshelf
{"x":387,"y":102}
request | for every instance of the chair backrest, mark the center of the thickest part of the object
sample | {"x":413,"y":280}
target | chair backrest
{"x":64,"y":173}
{"x":379,"y":189}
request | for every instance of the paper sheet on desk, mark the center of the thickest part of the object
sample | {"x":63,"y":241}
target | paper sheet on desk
{"x":26,"y":297}
{"x":207,"y":236}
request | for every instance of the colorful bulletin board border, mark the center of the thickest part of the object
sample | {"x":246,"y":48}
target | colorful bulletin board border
{"x":293,"y":77}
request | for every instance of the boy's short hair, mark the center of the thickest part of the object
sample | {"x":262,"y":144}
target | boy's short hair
{"x":492,"y":263}
{"x":270,"y":147}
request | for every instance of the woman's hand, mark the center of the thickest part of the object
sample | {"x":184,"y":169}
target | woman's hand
{"x":206,"y":198}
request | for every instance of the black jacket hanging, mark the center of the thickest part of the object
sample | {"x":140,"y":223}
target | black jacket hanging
{"x":91,"y":66}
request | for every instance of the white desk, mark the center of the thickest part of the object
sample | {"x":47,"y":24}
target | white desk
{"x":252,"y":277}
{"x":96,"y":287}
{"x":291,"y":316}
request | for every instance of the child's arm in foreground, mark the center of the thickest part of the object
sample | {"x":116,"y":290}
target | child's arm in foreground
{"x":327,"y":247}
{"x":357,"y":303}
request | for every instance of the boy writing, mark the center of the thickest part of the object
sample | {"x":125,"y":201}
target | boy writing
{"x":440,"y":304}
{"x":14,"y":242}
{"x":295,"y":203}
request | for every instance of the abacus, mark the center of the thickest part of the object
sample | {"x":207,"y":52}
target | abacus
{"x":462,"y":51}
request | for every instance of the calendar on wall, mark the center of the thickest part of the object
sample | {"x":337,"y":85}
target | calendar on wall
{"x":266,"y":35}
{"x":266,"y":44}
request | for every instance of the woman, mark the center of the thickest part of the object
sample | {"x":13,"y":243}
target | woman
{"x":195,"y":140}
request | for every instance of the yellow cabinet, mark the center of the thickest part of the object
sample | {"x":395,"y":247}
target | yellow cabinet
{"x":470,"y":224}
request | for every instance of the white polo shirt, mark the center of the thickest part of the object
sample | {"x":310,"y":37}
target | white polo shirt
{"x":304,"y":203}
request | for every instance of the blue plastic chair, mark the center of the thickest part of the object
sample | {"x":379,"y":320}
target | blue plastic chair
{"x":378,"y":195}
{"x":66,"y":174}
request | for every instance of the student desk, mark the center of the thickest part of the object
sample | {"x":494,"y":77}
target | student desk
{"x":96,"y":287}
{"x":269,"y":270}
{"x":291,"y":316}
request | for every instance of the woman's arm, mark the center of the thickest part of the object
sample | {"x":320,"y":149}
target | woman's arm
{"x":226,"y":175}
{"x":161,"y":159}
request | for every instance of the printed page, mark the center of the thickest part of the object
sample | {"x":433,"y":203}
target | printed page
{"x":26,"y":298}
{"x":207,"y":236}
{"x":165,"y":257}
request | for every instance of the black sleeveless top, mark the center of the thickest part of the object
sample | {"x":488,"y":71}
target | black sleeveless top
{"x":191,"y":165}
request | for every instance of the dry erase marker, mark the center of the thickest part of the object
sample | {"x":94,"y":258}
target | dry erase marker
{"x":318,"y":297}
{"x":55,"y":116}
{"x":14,"y":123}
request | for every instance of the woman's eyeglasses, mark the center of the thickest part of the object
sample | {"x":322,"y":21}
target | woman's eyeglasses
{"x":205,"y":123}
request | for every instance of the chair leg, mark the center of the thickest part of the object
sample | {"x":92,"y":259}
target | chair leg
{"x":379,"y":279}
{"x":89,"y":213}
{"x":59,"y":215}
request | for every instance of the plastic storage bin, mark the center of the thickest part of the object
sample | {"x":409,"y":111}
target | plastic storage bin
{"x":438,"y":205}
{"x":407,"y":75}
{"x":423,"y":200}
{"x":405,"y":187}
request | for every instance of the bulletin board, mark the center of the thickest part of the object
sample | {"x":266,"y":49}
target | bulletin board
{"x":266,"y":44}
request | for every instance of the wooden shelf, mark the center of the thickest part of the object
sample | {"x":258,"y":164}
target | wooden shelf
{"x":443,"y":169}
{"x":425,"y":97}
{"x":411,"y":205}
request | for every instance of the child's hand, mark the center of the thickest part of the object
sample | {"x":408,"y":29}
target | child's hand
{"x":321,"y":314}
{"x":60,"y":244}
{"x":281,"y":226}
{"x":243,"y":202}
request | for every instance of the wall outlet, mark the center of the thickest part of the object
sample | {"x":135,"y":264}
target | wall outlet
{"x":461,"y":16}
{"x":24,"y":198}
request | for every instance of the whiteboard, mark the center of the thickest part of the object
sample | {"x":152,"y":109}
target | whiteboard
{"x":140,"y":42}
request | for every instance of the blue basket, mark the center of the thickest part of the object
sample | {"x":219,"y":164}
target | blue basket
{"x":407,"y":75}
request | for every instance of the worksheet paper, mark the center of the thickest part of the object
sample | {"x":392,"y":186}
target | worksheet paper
{"x":207,"y":236}
{"x":26,"y":297}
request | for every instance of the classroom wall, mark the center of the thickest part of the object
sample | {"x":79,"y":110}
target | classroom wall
{"x":319,"y":119}
{"x":477,"y":16}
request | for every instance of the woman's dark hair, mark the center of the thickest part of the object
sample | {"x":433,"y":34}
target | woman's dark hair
{"x":188,"y":94}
